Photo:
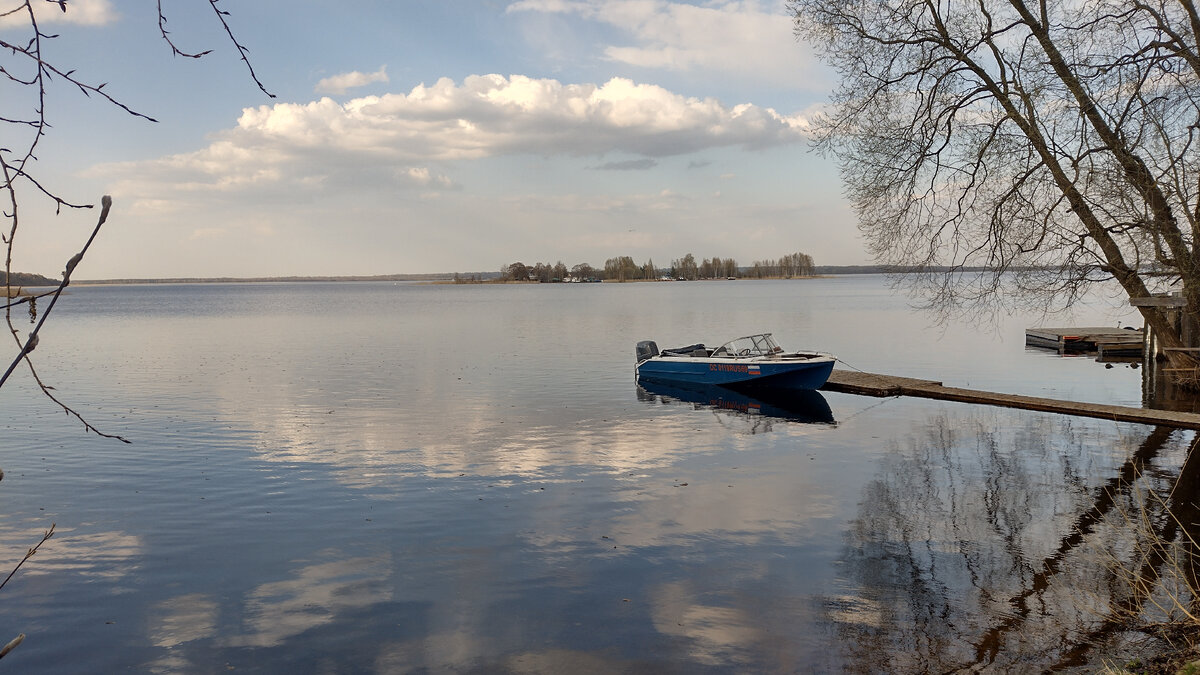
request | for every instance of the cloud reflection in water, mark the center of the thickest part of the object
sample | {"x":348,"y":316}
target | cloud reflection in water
{"x":318,"y":593}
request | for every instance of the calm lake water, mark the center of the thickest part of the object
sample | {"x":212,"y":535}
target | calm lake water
{"x":425,"y":478}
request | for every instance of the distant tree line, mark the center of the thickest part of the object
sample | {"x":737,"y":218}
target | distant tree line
{"x":623,"y":268}
{"x":792,"y":265}
{"x":26,"y":279}
{"x":543,"y":272}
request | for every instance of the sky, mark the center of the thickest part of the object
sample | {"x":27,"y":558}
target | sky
{"x":414,"y":136}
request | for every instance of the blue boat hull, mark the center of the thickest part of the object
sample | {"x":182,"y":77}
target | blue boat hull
{"x":806,"y":374}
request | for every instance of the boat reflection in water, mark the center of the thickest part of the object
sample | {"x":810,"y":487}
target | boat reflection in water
{"x":795,"y":405}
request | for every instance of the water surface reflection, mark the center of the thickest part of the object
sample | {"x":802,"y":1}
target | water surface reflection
{"x":985,"y":547}
{"x":761,"y":407}
{"x":378,"y":478}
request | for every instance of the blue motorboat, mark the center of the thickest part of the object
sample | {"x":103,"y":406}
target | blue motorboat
{"x":754,"y":361}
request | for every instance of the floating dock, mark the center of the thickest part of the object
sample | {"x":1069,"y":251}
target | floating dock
{"x":871,"y":384}
{"x":1105,"y":340}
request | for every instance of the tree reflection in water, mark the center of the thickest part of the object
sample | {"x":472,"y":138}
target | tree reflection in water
{"x":981,"y":546}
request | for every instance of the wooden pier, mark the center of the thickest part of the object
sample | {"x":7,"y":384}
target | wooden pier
{"x":871,"y":384}
{"x":1105,"y":340}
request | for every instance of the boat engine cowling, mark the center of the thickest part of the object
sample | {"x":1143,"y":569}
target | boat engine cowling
{"x":646,"y":349}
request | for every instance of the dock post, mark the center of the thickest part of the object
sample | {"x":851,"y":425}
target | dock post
{"x":1158,"y":387}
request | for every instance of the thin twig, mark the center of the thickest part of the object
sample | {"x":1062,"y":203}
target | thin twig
{"x":23,"y":299}
{"x":29,"y":554}
{"x":245,"y":53}
{"x":87,"y":426}
{"x":162,"y":28}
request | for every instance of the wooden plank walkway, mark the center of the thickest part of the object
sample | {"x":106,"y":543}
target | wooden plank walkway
{"x":1088,"y":338}
{"x":872,"y":384}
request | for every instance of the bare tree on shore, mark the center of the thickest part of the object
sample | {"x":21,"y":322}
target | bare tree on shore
{"x":1054,"y":143}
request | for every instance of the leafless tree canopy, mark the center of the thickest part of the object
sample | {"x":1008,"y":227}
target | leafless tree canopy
{"x":1054,"y":143}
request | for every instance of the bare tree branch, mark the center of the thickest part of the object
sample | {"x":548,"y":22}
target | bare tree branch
{"x":1053,"y":144}
{"x":29,"y":67}
{"x":29,"y":554}
{"x":31,"y":341}
{"x":242,"y":50}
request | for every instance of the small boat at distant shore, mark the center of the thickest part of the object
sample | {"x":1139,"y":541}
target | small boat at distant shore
{"x":746,"y":362}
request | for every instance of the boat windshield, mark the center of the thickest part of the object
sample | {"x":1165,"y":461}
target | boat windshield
{"x":753,"y":345}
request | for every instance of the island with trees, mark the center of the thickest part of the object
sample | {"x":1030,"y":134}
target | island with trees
{"x":624,"y":268}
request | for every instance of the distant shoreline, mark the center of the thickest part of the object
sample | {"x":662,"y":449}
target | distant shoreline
{"x":430,"y":279}
{"x":451,"y":282}
{"x":441,"y":277}
{"x":484,"y":277}
{"x":257,"y":280}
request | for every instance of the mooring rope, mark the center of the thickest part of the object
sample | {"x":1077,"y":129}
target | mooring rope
{"x":839,"y":360}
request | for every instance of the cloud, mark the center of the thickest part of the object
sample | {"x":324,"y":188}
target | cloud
{"x":399,"y":139}
{"x":712,"y":635}
{"x":315,"y":596}
{"x":107,"y":555}
{"x":208,"y":232}
{"x":82,"y":12}
{"x":628,"y":165}
{"x":423,"y":177}
{"x":183,"y":618}
{"x":749,"y":38}
{"x":340,"y":84}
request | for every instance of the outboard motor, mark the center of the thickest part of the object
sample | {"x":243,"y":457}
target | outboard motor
{"x":646,"y":349}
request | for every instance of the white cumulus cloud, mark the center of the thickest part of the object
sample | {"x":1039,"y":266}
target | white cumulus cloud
{"x":750,"y":38}
{"x":83,"y":12}
{"x":405,"y":135}
{"x":343,"y":82}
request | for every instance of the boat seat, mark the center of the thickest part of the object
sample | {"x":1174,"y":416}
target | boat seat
{"x":690,"y":350}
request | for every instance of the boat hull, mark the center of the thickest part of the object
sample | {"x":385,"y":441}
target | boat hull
{"x":808,"y":373}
